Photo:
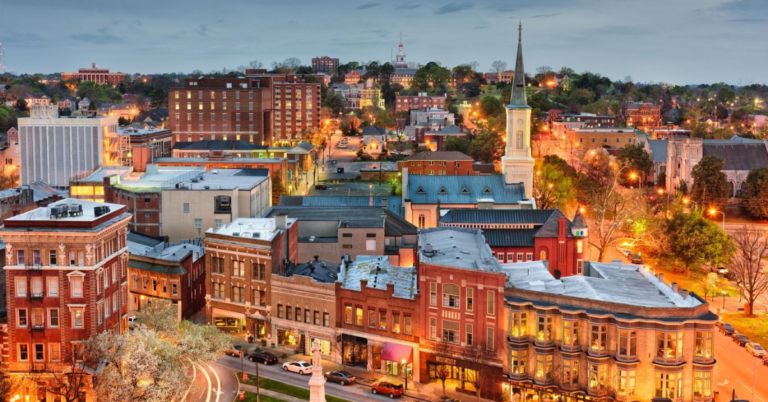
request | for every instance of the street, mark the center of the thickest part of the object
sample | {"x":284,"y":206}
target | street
{"x":738,"y":370}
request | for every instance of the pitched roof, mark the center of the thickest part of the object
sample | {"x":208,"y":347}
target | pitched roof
{"x":456,"y":248}
{"x":157,"y":114}
{"x":739,"y":156}
{"x":216,"y":145}
{"x":510,"y":237}
{"x":439,"y":156}
{"x":498,"y":216}
{"x":530,"y":224}
{"x":372,"y":130}
{"x":448,"y":130}
{"x":659,"y":150}
{"x":426,"y":189}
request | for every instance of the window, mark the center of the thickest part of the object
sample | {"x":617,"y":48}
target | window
{"x":53,"y":317}
{"x":259,"y":271}
{"x":54,"y":354}
{"x":154,"y":284}
{"x":491,"y":303}
{"x":260,"y":297}
{"x":597,"y":382}
{"x":433,"y":294}
{"x":598,"y":338}
{"x":348,"y":314}
{"x":20,"y":257}
{"x":186,"y":207}
{"x":164,"y":286}
{"x":279,"y":311}
{"x":371,"y":317}
{"x":99,"y":313}
{"x":451,"y":332}
{"x":326,"y":320}
{"x":519,"y":325}
{"x":174,"y":288}
{"x":52,"y":257}
{"x":579,"y":246}
{"x":570,"y":373}
{"x":77,"y":318}
{"x":626,"y":383}
{"x":21,"y":287}
{"x":106,"y":307}
{"x":238,"y":294}
{"x":545,"y":329}
{"x":470,"y":299}
{"x":703,"y":349}
{"x":23,"y":352}
{"x":198,"y":223}
{"x":543,"y":371}
{"x":432,"y":328}
{"x":396,"y":322}
{"x":289,"y":313}
{"x":489,"y":338}
{"x":238,"y":268}
{"x":407,"y":324}
{"x":218,"y":265}
{"x":77,"y":286}
{"x":21,"y":318}
{"x":669,"y":385}
{"x":451,"y":296}
{"x":468,"y":334}
{"x":383,"y":320}
{"x":370,"y":245}
{"x":422,"y":221}
{"x":702,"y":384}
{"x":579,"y":267}
{"x":306,"y":316}
{"x":316,"y":318}
{"x":218,"y":291}
{"x":518,"y":361}
{"x":529,"y":256}
{"x":627,"y":344}
{"x":669,"y":345}
{"x":519,"y":257}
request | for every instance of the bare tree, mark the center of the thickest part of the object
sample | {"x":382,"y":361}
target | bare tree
{"x":444,"y":354}
{"x":543,"y":70}
{"x":478,"y":366}
{"x":751,"y":249}
{"x":69,"y":379}
{"x":499,"y":66}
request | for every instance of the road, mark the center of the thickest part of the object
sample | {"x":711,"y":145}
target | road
{"x":738,"y":370}
{"x":211,"y":385}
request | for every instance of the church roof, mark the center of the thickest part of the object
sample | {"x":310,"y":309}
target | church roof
{"x":518,"y":99}
{"x":426,"y":189}
{"x":739,"y":156}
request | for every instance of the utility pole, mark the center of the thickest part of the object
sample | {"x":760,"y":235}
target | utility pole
{"x":258,"y":391}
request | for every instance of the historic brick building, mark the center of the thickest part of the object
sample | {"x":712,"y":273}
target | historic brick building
{"x":419,"y":102}
{"x":95,"y":74}
{"x":240,"y":260}
{"x":326,"y":65}
{"x":643,"y":115}
{"x":438,"y":163}
{"x":66,"y":274}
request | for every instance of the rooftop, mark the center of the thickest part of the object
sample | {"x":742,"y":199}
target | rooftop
{"x":456,"y":248}
{"x":141,"y":131}
{"x":320,"y":271}
{"x":440,"y":155}
{"x":609,"y":282}
{"x":229,"y":160}
{"x":394,"y":203}
{"x":251,"y":228}
{"x":88,"y":212}
{"x":152,"y":247}
{"x":354,"y":217}
{"x":426,"y":189}
{"x":659,"y":150}
{"x":154,"y":179}
{"x":226,"y":179}
{"x":378,"y":273}
{"x":739,"y":155}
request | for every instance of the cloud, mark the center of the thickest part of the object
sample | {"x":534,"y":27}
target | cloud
{"x":741,"y":10}
{"x":408,"y":7}
{"x":367,"y":5}
{"x":102,"y":38}
{"x":544,"y":15}
{"x":453,"y":7}
{"x":202,"y":30}
{"x":480,"y":27}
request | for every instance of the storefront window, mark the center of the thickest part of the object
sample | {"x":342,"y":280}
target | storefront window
{"x":545,"y":329}
{"x":627,"y":344}
{"x":597,"y":379}
{"x":703,"y":345}
{"x":669,"y":385}
{"x":570,"y":374}
{"x":702,"y":384}
{"x":598,"y":338}
{"x":669,"y":346}
{"x":626,"y":385}
{"x":518,"y":361}
{"x":544,"y":368}
{"x":519,"y":325}
{"x":570,"y":334}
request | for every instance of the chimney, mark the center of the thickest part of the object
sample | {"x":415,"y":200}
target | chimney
{"x":674,"y":287}
{"x":363,"y":284}
{"x":683,"y":293}
{"x":281,"y":221}
{"x":661,"y":277}
{"x":557,"y":274}
{"x":383,"y":203}
{"x":311,"y":268}
{"x":405,"y":184}
{"x":390,"y":288}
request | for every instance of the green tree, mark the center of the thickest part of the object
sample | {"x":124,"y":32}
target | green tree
{"x":710,"y":185}
{"x":694,"y":240}
{"x":552,"y":188}
{"x":755,"y":197}
{"x":491,"y":106}
{"x":278,"y":189}
{"x":5,"y":119}
{"x":615,"y":107}
{"x":636,"y":159}
{"x":430,"y":77}
{"x":486,"y":147}
{"x":335,"y":102}
{"x":122,"y":121}
{"x":21,"y":104}
{"x":456,"y":144}
{"x":159,"y":98}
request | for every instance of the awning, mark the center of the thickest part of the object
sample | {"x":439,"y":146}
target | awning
{"x":395,"y":352}
{"x":257,"y":316}
{"x":225,"y":313}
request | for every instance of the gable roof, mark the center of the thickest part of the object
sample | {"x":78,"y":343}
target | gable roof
{"x":157,"y":114}
{"x":463,"y":189}
{"x":659,"y":150}
{"x":541,"y":223}
{"x":439,"y":156}
{"x":739,"y":156}
{"x":372,"y":130}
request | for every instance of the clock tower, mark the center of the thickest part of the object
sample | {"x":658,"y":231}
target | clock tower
{"x":517,"y":163}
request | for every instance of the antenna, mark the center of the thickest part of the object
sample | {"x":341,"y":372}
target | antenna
{"x":2,"y":58}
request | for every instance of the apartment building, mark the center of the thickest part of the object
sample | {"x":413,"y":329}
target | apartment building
{"x":325,"y":65}
{"x":419,"y":102}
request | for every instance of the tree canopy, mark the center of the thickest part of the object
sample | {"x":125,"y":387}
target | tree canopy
{"x":710,"y":185}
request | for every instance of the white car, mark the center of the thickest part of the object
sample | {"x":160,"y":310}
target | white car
{"x":301,"y":367}
{"x":755,"y":349}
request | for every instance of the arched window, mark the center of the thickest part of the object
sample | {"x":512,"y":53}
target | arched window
{"x":451,"y":296}
{"x":422,"y":221}
{"x":732,"y":188}
{"x":543,"y":255}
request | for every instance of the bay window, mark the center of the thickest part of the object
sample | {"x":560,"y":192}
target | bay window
{"x":543,"y":368}
{"x":669,"y":346}
{"x":570,"y":334}
{"x":519,"y":325}
{"x":518,"y":362}
{"x":597,"y":379}
{"x":627,"y":349}
{"x":598,"y":338}
{"x":669,"y":385}
{"x":545,"y":329}
{"x":703,"y":349}
{"x":626,"y":384}
{"x":570,"y":374}
{"x":702,"y":385}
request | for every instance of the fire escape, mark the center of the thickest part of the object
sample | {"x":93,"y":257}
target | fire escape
{"x":117,"y":148}
{"x":35,"y":316}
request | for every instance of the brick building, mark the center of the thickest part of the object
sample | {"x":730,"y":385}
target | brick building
{"x":582,"y":140}
{"x":325,"y":65}
{"x":95,"y":74}
{"x":419,"y":102}
{"x":517,"y":235}
{"x":438,"y":163}
{"x":461,"y":309}
{"x":66,"y":274}
{"x":643,"y":115}
{"x":162,"y":271}
{"x":617,"y":332}
{"x":378,"y":316}
{"x":240,"y":258}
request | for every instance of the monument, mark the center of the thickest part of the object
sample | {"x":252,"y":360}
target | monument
{"x":317,"y":382}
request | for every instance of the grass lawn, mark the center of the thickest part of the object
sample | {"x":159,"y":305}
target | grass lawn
{"x":755,"y":328}
{"x":692,"y":281}
{"x":283,"y":388}
{"x":251,"y":397}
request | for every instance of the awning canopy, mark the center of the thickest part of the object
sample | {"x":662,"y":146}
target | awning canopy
{"x":229,"y":314}
{"x":396,"y":353}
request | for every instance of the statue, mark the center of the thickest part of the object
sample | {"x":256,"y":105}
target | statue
{"x":317,"y":382}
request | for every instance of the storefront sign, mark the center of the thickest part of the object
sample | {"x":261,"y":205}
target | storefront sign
{"x":445,"y":360}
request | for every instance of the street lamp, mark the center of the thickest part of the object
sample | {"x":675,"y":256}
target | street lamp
{"x":405,"y":373}
{"x":723,"y":293}
{"x":713,"y":212}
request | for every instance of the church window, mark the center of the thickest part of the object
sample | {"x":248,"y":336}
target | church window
{"x":519,"y":139}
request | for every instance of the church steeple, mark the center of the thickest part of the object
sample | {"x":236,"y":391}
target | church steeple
{"x":518,"y":84}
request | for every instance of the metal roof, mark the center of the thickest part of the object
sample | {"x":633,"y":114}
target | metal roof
{"x":498,"y":216}
{"x":659,"y":150}
{"x":510,"y":237}
{"x":426,"y":189}
{"x":739,"y":156}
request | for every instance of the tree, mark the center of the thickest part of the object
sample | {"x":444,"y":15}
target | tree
{"x":710,"y":184}
{"x":122,"y":121}
{"x":459,"y":144}
{"x":755,"y":197}
{"x":21,"y":104}
{"x":552,"y":188}
{"x":159,"y":98}
{"x":477,"y":368}
{"x":692,"y":240}
{"x":751,"y":251}
{"x":491,"y":107}
{"x":709,"y":283}
{"x":486,"y":147}
{"x":499,"y":66}
{"x":69,"y":379}
{"x":278,"y":189}
{"x":431,"y":77}
{"x":444,"y":354}
{"x":636,"y":159}
{"x":5,"y":385}
{"x":335,"y":102}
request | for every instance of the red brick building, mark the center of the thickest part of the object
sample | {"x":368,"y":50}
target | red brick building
{"x":66,"y":274}
{"x":240,"y":259}
{"x":95,"y":74}
{"x":354,"y":76}
{"x":438,"y":163}
{"x":517,"y":235}
{"x":326,"y":65}
{"x":378,"y":315}
{"x":462,"y":296}
{"x":643,"y":115}
{"x":419,"y":102}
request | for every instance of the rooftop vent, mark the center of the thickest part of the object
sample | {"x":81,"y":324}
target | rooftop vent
{"x":100,"y":210}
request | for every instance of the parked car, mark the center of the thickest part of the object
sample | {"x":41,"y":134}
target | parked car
{"x":301,"y":367}
{"x":728,"y":329}
{"x":234,"y":351}
{"x":341,"y":377}
{"x":263,"y":357}
{"x":742,"y":340}
{"x":387,"y":388}
{"x":719,"y":325}
{"x":636,"y":259}
{"x":765,"y":361}
{"x":321,"y":187}
{"x":755,"y":349}
{"x":719,"y":270}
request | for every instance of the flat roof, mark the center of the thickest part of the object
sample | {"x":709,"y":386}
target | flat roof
{"x":158,"y":177}
{"x":100,"y":173}
{"x":226,"y":179}
{"x":251,"y":228}
{"x":88,"y":212}
{"x":610,"y":282}
{"x":229,"y":160}
{"x":379,"y":273}
{"x":457,"y":248}
{"x":142,"y":131}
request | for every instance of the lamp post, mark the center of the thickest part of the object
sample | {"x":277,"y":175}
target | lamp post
{"x":723,"y":293}
{"x":405,"y":372}
{"x":713,"y":212}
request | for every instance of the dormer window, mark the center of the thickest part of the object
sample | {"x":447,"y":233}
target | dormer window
{"x":464,"y":191}
{"x":442,"y":191}
{"x":487,"y":191}
{"x":420,"y":191}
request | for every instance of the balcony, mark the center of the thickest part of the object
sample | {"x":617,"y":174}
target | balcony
{"x":36,"y":296}
{"x":36,"y":328}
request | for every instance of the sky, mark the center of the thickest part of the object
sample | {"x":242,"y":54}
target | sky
{"x":671,"y":41}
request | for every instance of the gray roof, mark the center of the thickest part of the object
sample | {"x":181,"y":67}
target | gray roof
{"x":448,"y":130}
{"x":359,"y":217}
{"x":394,"y":203}
{"x":323,"y":272}
{"x":379,"y":273}
{"x":499,"y":216}
{"x":217,"y":145}
{"x":373,"y":130}
{"x":510,"y":237}
{"x":739,"y":156}
{"x":439,"y":155}
{"x":659,"y":150}
{"x":426,"y":189}
{"x":456,"y":248}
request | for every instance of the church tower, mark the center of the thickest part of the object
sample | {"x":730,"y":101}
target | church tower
{"x":517,"y":163}
{"x":400,"y":58}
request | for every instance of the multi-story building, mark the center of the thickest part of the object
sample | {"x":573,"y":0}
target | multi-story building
{"x":419,"y":102}
{"x":36,"y":100}
{"x":303,"y":303}
{"x":66,"y":270}
{"x":240,"y":260}
{"x":146,"y":143}
{"x":325,"y":65}
{"x":582,"y":140}
{"x":461,"y":309}
{"x":360,"y":95}
{"x":353,"y":77}
{"x":643,"y":115}
{"x":278,"y":167}
{"x":158,"y":270}
{"x":517,"y":235}
{"x":54,"y":150}
{"x":503,"y":76}
{"x":95,"y":74}
{"x":378,"y":312}
{"x":9,"y":153}
{"x":615,"y":333}
{"x":438,"y":163}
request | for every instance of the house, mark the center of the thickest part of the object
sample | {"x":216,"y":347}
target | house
{"x":374,"y":140}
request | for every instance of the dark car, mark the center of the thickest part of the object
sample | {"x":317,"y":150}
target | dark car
{"x":636,"y":259}
{"x":741,"y":340}
{"x":341,"y":377}
{"x":321,"y":187}
{"x":728,"y":329}
{"x":263,"y":357}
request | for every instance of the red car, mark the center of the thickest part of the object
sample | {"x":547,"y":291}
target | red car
{"x":387,"y":388}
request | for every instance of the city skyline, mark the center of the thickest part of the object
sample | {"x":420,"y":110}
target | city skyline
{"x":689,"y":42}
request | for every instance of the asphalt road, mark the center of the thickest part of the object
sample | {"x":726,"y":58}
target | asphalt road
{"x":738,"y":370}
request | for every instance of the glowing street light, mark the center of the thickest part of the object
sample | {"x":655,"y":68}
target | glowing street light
{"x":713,"y":212}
